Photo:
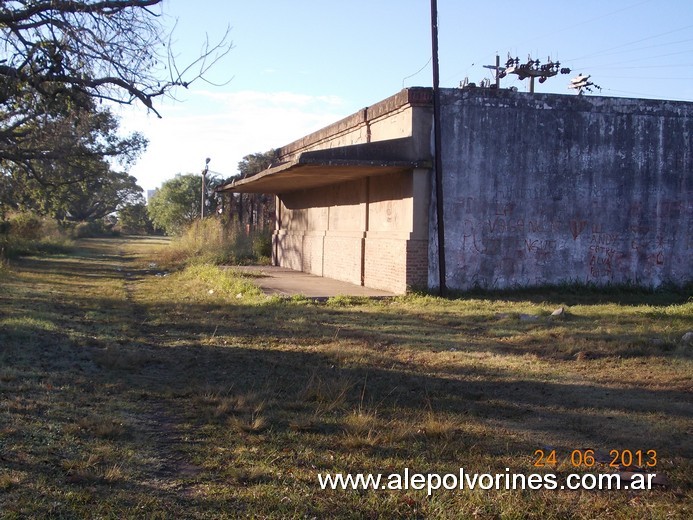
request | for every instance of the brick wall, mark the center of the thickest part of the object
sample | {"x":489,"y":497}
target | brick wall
{"x":342,"y":256}
{"x":360,"y":232}
{"x":417,"y":264}
{"x":313,"y":251}
{"x":395,"y":264}
{"x":289,"y":250}
{"x":385,"y":263}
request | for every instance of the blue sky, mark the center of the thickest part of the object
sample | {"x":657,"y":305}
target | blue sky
{"x":299,"y":65}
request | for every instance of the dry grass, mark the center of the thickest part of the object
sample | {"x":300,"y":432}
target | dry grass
{"x":92,"y":471}
{"x":437,"y":427}
{"x":101,"y":427}
{"x":210,"y":242}
{"x":328,"y":392}
{"x":121,"y":358}
{"x":8,"y":481}
{"x":126,"y":394}
{"x":252,"y":423}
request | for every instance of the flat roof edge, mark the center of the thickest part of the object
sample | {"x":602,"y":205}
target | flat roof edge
{"x":392,"y":153}
{"x":414,"y":96}
{"x":357,"y":168}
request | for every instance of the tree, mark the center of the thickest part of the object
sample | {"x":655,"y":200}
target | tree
{"x":100,"y":196}
{"x":66,"y":166}
{"x":59,"y":58}
{"x":106,"y":49}
{"x":133,"y":219}
{"x":256,"y":162}
{"x":177,"y":203}
{"x":255,"y":209}
{"x":92,"y":198}
{"x":66,"y":134}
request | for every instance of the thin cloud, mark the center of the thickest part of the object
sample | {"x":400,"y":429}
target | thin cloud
{"x":224,"y":127}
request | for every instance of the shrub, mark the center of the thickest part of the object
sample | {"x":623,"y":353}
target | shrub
{"x":262,"y":245}
{"x":25,"y":225}
{"x":25,"y":233}
{"x":92,"y":228}
{"x":211,"y":242}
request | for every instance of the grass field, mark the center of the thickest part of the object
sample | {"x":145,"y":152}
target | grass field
{"x":127,"y":392}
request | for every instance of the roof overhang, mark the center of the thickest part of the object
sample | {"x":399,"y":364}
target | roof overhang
{"x":331,"y":166}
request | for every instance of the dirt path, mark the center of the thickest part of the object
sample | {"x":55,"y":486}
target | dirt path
{"x":170,"y":468}
{"x":101,"y":398}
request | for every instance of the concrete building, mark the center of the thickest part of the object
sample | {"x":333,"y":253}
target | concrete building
{"x":537,"y":189}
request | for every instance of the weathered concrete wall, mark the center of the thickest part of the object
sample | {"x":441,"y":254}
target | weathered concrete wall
{"x":548,"y":189}
{"x":362,"y":232}
{"x":395,"y":117}
{"x":371,"y":231}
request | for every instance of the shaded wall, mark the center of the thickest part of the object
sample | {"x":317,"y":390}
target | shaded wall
{"x":371,"y":231}
{"x":362,"y":232}
{"x":549,"y":189}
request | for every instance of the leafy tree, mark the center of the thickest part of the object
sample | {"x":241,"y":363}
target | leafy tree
{"x":102,"y":195}
{"x":255,"y":209}
{"x":92,"y":198}
{"x":62,"y":138}
{"x":60,"y":58}
{"x":256,"y":162}
{"x":68,"y":172}
{"x":177,"y":203}
{"x":134,"y":219}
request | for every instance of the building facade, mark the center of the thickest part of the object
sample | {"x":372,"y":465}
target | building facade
{"x":538,"y":189}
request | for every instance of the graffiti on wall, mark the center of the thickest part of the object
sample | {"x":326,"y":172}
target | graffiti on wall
{"x":552,"y":189}
{"x":508,"y":243}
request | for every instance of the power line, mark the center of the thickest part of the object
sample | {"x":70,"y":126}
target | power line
{"x":629,"y":50}
{"x":632,"y":43}
{"x":675,"y":78}
{"x":531,"y":69}
{"x":637,"y":49}
{"x":630,"y":93}
{"x":642,"y":66}
{"x":588,"y":21}
{"x":645,"y":58}
{"x":585,"y":22}
{"x":412,"y":75}
{"x":583,"y":84}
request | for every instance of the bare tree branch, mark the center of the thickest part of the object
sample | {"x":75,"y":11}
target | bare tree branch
{"x":110,"y":49}
{"x":60,"y":58}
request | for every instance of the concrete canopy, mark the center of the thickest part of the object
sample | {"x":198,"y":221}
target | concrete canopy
{"x":331,"y":166}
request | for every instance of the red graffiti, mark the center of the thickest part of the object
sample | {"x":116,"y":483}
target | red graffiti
{"x":577,"y":227}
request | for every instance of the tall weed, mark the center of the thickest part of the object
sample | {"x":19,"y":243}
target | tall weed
{"x":25,"y":233}
{"x":211,"y":242}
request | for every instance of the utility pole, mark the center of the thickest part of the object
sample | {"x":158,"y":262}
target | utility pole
{"x":497,"y":70}
{"x":533,"y":69}
{"x":442,"y":290}
{"x":582,"y":83}
{"x":204,"y":188}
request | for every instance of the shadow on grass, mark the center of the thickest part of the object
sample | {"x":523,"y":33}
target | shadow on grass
{"x":582,"y":294}
{"x":182,"y":377}
{"x":212,"y":346}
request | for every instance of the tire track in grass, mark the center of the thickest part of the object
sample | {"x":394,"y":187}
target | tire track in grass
{"x":169,"y":469}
